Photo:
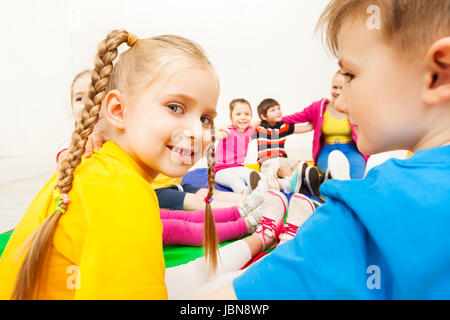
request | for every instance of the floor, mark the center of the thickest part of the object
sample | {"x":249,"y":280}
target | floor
{"x":15,"y":197}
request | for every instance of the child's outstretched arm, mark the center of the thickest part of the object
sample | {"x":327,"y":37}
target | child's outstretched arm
{"x":303,"y":127}
{"x":220,"y":133}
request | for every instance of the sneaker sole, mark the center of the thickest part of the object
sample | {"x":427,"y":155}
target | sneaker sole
{"x":338,"y":165}
{"x":254,"y":180}
{"x":312,"y":181}
{"x":301,"y":171}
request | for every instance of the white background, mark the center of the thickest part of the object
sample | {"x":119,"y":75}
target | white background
{"x":259,"y":48}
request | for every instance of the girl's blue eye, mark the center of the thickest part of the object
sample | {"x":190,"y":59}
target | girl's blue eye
{"x":175,"y":108}
{"x":206,"y":121}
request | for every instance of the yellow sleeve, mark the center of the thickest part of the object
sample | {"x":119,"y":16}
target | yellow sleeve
{"x":122,"y":256}
{"x":163,"y":181}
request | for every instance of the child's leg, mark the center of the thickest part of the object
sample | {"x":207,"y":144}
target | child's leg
{"x":220,"y":215}
{"x":170,"y":198}
{"x":222,"y":197}
{"x":284,"y":172}
{"x":231,"y":178}
{"x":356,"y":161}
{"x":187,"y":280}
{"x":183,"y":279}
{"x":322,"y":158}
{"x":182,"y":232}
{"x":195,"y":201}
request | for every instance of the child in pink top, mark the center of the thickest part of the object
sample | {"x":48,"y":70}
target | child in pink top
{"x":315,"y":114}
{"x":232,"y":149}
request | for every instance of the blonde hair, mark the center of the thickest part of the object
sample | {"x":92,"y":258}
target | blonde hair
{"x":137,"y":67}
{"x":405,"y":24}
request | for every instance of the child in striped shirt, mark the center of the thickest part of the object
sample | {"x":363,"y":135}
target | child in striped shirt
{"x":271,"y":137}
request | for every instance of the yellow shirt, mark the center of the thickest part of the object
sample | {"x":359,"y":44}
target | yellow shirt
{"x":336,"y":131}
{"x":108,"y":245}
{"x":163,"y":181}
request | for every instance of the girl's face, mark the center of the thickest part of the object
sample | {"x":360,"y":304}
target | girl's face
{"x":336,"y":85}
{"x":165,"y":122}
{"x":241,"y":116}
{"x":79,"y":93}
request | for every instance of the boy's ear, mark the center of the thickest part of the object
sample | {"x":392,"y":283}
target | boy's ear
{"x":437,"y":78}
{"x":114,"y":109}
{"x":263,"y":117}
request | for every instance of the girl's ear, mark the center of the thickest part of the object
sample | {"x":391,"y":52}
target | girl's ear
{"x":437,"y":86}
{"x":114,"y":109}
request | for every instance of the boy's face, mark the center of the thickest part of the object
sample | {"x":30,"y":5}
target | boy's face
{"x":273,"y":115}
{"x":381,"y":94}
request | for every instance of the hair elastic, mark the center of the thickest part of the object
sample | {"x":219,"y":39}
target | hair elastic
{"x":131,"y":39}
{"x":208,"y":199}
{"x":60,"y":198}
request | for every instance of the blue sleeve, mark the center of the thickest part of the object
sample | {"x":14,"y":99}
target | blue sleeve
{"x":326,"y":260}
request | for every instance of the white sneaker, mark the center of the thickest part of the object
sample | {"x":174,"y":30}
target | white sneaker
{"x":254,"y":217}
{"x":338,"y":165}
{"x":300,"y":209}
{"x":274,"y":211}
{"x":285,"y":184}
{"x":254,"y":199}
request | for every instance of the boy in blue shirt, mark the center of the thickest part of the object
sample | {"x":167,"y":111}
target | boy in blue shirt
{"x":386,"y":236}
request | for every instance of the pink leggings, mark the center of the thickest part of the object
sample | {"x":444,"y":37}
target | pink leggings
{"x":186,"y":227}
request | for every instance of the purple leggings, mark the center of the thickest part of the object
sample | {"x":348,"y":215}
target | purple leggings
{"x":186,"y":227}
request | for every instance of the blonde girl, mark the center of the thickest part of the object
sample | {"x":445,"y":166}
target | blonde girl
{"x":94,"y":230}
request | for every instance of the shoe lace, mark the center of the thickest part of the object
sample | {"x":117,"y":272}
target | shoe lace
{"x":290,"y":229}
{"x":266,"y":223}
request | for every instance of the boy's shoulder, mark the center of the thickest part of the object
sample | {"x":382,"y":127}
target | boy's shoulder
{"x":397,"y":182}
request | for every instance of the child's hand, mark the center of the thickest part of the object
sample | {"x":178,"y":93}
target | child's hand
{"x":95,"y":142}
{"x":222,"y":133}
{"x":256,"y":124}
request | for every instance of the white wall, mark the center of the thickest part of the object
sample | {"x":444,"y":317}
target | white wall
{"x":260,"y":48}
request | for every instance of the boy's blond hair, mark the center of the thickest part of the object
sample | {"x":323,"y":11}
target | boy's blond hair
{"x":408,"y":25}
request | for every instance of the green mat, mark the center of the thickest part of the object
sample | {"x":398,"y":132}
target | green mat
{"x":174,"y":255}
{"x":4,"y":237}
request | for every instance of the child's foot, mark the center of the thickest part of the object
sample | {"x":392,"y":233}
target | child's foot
{"x":254,"y":179}
{"x":255,"y":198}
{"x":271,"y":180}
{"x":312,"y":181}
{"x":274,"y":211}
{"x":338,"y":166}
{"x":300,"y":209}
{"x":285,"y":184}
{"x":253,"y":218}
{"x":297,"y":180}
